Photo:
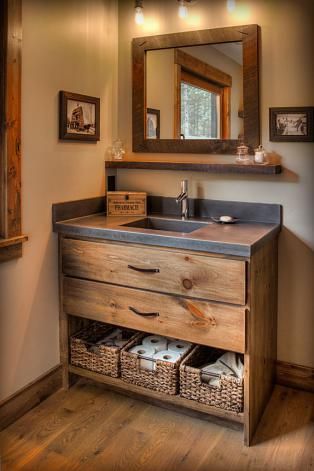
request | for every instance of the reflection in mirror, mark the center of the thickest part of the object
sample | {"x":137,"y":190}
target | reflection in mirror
{"x":197,"y":92}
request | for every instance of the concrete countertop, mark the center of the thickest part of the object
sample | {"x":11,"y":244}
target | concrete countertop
{"x":240,"y":239}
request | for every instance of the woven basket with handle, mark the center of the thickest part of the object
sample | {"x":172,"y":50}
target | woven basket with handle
{"x":164,"y":378}
{"x":102,"y":359}
{"x":228,"y":395}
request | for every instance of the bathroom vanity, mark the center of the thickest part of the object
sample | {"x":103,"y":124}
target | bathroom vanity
{"x":207,"y":283}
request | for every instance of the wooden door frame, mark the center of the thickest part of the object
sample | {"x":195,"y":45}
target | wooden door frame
{"x":11,"y":237}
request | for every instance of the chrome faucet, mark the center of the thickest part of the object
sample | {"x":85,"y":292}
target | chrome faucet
{"x":183,"y":199}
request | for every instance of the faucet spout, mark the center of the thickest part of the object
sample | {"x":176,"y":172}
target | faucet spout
{"x":183,"y":199}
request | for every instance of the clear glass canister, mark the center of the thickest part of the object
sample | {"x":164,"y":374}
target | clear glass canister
{"x":243,"y":154}
{"x":117,"y":150}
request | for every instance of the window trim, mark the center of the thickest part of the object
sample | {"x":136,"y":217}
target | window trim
{"x":11,"y":238}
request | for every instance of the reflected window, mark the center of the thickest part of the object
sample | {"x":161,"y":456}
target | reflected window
{"x":200,"y":112}
{"x":203,"y":97}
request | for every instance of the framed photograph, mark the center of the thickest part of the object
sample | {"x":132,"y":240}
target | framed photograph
{"x":79,"y":117}
{"x":152,"y":123}
{"x":291,"y":124}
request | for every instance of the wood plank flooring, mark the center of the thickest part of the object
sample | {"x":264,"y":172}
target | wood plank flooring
{"x":94,"y":429}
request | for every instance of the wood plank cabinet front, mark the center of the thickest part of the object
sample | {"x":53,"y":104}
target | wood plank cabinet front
{"x":216,"y":325}
{"x":222,"y":302}
{"x":156,"y":269}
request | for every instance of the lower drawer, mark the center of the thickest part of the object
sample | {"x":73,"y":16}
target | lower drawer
{"x":216,"y":325}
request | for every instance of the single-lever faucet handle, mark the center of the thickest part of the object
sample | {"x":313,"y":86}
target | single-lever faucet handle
{"x":183,"y":199}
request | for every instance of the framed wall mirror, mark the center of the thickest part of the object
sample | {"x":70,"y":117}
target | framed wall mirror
{"x":204,"y":87}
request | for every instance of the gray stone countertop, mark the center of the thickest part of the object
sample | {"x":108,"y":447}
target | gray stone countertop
{"x":239,"y":239}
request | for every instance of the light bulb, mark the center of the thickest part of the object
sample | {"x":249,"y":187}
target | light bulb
{"x":183,"y":10}
{"x":139,"y":15}
{"x":231,"y":5}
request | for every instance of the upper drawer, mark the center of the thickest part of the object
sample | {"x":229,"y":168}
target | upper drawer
{"x":156,"y":269}
{"x":215,"y":324}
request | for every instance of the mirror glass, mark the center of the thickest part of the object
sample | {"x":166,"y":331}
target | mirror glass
{"x":195,"y":92}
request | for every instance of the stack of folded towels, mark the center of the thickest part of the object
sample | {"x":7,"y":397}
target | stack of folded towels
{"x":114,"y":339}
{"x":156,"y":347}
{"x":229,"y":364}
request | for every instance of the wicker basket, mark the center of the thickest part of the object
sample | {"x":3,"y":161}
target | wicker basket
{"x":228,"y":395}
{"x":164,"y":378}
{"x":102,"y":359}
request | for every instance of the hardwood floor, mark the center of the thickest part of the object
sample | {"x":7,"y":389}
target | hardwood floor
{"x":91,"y":428}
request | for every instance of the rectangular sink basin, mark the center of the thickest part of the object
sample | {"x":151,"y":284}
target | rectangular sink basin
{"x":171,"y":225}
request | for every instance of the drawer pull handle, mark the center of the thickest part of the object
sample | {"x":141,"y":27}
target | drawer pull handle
{"x":144,"y":314}
{"x":144,"y":270}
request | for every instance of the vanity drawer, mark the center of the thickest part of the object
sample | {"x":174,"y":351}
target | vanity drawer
{"x":216,"y":325}
{"x":157,"y":269}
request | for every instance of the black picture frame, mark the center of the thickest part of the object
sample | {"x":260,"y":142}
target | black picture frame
{"x":291,"y":124}
{"x":155,"y":114}
{"x":85,"y":117}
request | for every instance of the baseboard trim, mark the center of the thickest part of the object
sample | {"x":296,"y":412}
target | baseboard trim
{"x":30,"y":396}
{"x":295,"y":376}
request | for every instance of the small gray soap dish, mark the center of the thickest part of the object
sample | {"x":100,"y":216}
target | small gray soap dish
{"x":224,"y":219}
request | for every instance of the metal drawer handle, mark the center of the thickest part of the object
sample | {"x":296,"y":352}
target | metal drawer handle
{"x":144,"y":270}
{"x":144,"y":314}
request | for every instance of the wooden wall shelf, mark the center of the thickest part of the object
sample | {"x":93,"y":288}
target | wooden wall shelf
{"x":197,"y":166}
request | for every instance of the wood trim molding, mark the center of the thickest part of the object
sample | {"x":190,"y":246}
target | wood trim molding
{"x":295,"y":376}
{"x":11,"y":248}
{"x":202,"y":69}
{"x":10,"y":125}
{"x":30,"y":396}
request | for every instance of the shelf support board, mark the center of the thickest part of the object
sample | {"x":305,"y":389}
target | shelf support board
{"x":180,"y":404}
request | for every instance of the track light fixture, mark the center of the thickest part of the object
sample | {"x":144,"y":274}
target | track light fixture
{"x":231,"y":5}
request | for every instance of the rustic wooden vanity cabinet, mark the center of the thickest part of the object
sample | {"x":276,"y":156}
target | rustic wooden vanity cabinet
{"x":221,"y":301}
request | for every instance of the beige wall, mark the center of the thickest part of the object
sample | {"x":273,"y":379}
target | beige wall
{"x":67,"y":45}
{"x":286,"y":80}
{"x":160,"y":88}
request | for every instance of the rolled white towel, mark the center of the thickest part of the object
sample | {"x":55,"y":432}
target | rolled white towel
{"x":228,"y":364}
{"x":211,"y":373}
{"x":232,"y":361}
{"x":115,"y":334}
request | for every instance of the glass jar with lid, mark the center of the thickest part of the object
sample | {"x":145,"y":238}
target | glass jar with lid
{"x":243,"y":154}
{"x":117,"y":150}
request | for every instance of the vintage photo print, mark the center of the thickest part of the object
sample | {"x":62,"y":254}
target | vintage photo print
{"x":291,"y":124}
{"x":152,"y":124}
{"x":81,"y":117}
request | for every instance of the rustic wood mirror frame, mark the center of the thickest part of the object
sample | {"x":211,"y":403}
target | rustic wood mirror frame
{"x":249,"y":35}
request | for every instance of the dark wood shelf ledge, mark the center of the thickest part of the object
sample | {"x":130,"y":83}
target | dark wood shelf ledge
{"x":208,"y":167}
{"x":12,"y":247}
